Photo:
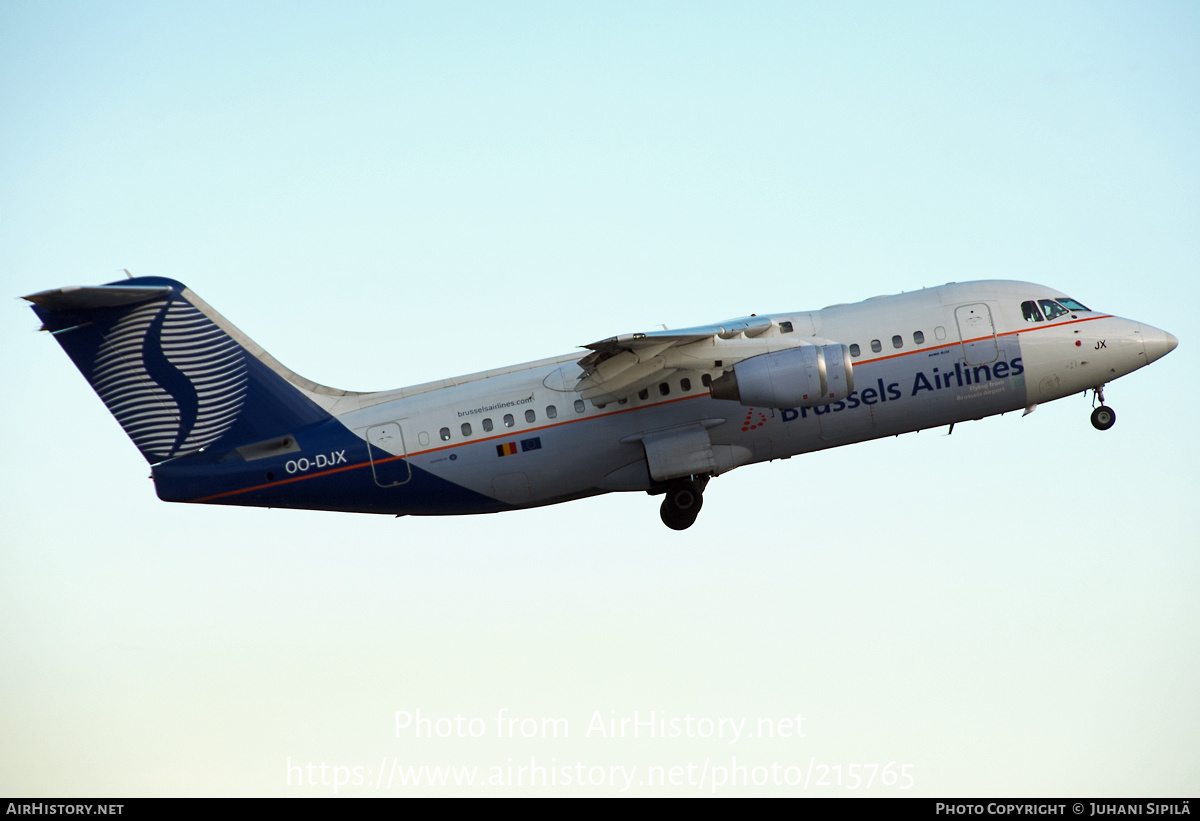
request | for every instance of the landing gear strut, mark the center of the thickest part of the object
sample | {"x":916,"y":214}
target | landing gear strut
{"x":1103,"y":417}
{"x":682,"y":502}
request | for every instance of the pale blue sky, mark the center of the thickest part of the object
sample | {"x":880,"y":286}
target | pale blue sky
{"x":382,"y":194}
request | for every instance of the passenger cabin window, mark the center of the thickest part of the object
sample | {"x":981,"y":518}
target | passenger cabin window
{"x":487,"y":425}
{"x":918,"y":337}
{"x":1051,"y":308}
{"x":855,"y":350}
{"x":579,"y":406}
{"x":445,"y":434}
{"x":664,"y":388}
{"x":643,"y":394}
{"x":1030,"y":311}
{"x":785,"y":327}
{"x":706,"y":380}
{"x":685,"y":384}
{"x":876,"y":346}
{"x":466,"y":428}
{"x":551,"y":412}
{"x":508,"y":420}
{"x":897,"y":341}
{"x":530,"y":416}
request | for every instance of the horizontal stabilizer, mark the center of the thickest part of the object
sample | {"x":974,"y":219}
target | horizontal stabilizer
{"x":83,"y":298}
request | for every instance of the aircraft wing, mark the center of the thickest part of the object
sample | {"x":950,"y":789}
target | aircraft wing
{"x":620,"y":366}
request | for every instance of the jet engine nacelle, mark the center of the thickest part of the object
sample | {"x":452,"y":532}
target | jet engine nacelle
{"x":804,"y":377}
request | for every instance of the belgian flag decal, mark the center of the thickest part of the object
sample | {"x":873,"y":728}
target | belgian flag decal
{"x":509,"y":448}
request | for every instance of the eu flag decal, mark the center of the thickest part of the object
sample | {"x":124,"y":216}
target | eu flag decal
{"x":507,"y":449}
{"x":531,"y":444}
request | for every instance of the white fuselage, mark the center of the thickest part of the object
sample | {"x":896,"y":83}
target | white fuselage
{"x":922,"y":359}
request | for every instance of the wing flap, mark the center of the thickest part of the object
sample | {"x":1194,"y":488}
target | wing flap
{"x":620,"y":366}
{"x":750,"y":326}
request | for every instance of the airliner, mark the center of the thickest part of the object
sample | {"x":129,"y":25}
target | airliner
{"x":221,"y":421}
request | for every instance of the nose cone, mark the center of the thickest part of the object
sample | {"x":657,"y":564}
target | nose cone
{"x":1157,"y":343}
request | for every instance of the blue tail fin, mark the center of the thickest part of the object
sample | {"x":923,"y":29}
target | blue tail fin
{"x":175,"y":373}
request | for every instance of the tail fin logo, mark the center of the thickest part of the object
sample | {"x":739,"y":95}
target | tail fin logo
{"x":173,"y":379}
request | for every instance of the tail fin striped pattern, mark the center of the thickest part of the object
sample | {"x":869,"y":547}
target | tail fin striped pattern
{"x":130,"y":375}
{"x":171,"y":374}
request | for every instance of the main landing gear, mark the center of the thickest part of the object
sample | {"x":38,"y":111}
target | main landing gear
{"x":1103,"y":417}
{"x":682,"y":501}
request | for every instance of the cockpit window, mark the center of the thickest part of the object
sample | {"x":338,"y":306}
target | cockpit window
{"x":1031,"y":312}
{"x":1072,"y":305}
{"x":1052,"y":308}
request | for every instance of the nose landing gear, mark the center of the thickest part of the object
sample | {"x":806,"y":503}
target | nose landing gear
{"x":1103,"y":417}
{"x":682,"y":502}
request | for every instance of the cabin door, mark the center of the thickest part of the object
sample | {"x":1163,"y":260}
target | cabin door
{"x":977,"y":333}
{"x":389,"y":456}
